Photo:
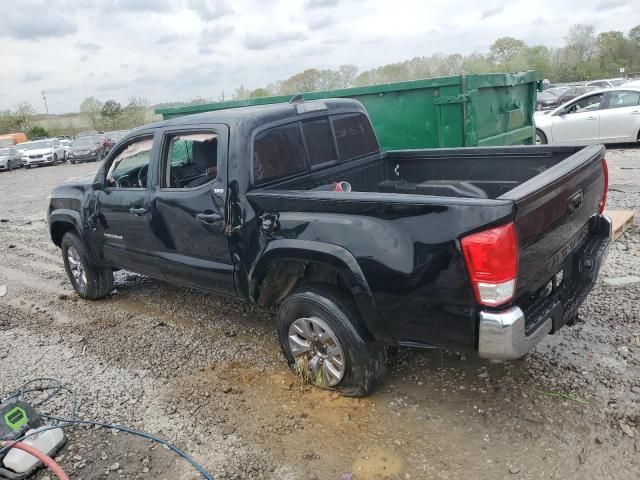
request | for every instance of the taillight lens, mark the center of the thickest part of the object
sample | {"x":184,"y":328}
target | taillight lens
{"x":492,"y":261}
{"x":603,"y":202}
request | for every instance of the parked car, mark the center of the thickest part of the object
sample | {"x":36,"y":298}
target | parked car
{"x":87,"y":133}
{"x":611,"y":83}
{"x":472,"y":249}
{"x":549,"y":98}
{"x":42,"y":152}
{"x":10,"y":158}
{"x":113,"y":138}
{"x":575,"y":91}
{"x":605,"y":116}
{"x":87,"y":148}
{"x":66,"y":144}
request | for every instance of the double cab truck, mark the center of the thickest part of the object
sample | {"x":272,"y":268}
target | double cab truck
{"x":295,"y":206}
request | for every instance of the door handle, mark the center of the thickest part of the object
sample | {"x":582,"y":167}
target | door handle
{"x":138,"y":212}
{"x":209,"y":217}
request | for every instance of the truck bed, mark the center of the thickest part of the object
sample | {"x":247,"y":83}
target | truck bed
{"x":416,"y":199}
{"x":481,"y":173}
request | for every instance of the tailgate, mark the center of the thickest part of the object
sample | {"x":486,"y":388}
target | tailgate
{"x":552,"y":216}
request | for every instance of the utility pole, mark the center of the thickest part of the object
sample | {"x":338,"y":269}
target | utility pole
{"x":44,"y":97}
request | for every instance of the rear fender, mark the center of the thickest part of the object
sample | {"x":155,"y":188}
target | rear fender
{"x":332,"y":255}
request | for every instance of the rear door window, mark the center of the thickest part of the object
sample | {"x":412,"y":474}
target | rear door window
{"x":320,"y":144}
{"x":278,"y":152}
{"x":623,"y":98}
{"x":354,"y":136}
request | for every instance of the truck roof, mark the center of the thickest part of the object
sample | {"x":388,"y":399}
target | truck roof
{"x":265,"y":114}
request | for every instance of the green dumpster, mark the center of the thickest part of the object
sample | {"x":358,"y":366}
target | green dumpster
{"x":457,"y":111}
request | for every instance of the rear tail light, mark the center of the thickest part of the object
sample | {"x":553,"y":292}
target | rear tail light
{"x":603,"y":202}
{"x":492,"y":261}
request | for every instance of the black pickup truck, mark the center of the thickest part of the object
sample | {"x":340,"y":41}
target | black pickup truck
{"x":295,"y":206}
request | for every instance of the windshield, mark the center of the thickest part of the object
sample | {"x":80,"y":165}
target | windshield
{"x":38,"y":145}
{"x":88,"y":141}
{"x":617,"y":83}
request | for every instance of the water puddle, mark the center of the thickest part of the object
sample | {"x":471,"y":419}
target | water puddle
{"x":378,"y":464}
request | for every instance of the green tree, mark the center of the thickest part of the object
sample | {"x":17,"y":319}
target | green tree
{"x":634,"y":35}
{"x":613,"y":51}
{"x":111,"y":110}
{"x":347,"y":75}
{"x":91,"y":108}
{"x":505,"y":49}
{"x":134,"y":114}
{"x":538,"y":58}
{"x":241,"y":93}
{"x":37,"y":131}
{"x":259,"y":92}
{"x":22,"y":116}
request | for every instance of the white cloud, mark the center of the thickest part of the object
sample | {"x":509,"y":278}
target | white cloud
{"x":172,"y":50}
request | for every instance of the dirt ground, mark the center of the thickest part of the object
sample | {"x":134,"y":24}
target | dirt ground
{"x":206,"y":373}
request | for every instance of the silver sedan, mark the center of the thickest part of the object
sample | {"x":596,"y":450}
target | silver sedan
{"x":10,"y":158}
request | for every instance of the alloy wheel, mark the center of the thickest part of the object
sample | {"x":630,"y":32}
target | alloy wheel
{"x":76,"y":267}
{"x":318,"y":354}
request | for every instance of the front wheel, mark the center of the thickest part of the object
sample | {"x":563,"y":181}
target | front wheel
{"x":324,"y":344}
{"x":27,"y":166}
{"x":541,"y":138}
{"x":9,"y":166}
{"x":88,"y":279}
{"x":55,"y":159}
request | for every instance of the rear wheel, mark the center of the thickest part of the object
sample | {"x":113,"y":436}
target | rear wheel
{"x":88,"y":279}
{"x":55,"y":159}
{"x":9,"y":166}
{"x":325,"y":346}
{"x":541,"y":138}
{"x":27,"y":166}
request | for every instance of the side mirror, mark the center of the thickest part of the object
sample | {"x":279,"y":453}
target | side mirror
{"x":97,"y":186}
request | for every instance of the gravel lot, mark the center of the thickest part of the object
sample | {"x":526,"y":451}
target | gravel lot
{"x":206,"y":373}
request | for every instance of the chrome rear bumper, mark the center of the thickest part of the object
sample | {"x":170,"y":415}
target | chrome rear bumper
{"x":502,"y":334}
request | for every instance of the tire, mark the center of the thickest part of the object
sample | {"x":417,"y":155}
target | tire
{"x":27,"y":166}
{"x":55,"y":159}
{"x":331,"y":315}
{"x":90,"y":281}
{"x":541,"y":138}
{"x":9,"y":166}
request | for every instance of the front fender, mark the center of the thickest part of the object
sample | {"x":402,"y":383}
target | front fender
{"x":66,"y":216}
{"x":329,"y":254}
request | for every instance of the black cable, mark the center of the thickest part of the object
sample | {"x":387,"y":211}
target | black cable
{"x":71,"y":422}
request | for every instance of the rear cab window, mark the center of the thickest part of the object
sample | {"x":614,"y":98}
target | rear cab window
{"x":354,"y":136}
{"x":302,"y":146}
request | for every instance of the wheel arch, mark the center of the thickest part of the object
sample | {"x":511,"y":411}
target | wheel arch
{"x":63,"y":222}
{"x":288,"y":261}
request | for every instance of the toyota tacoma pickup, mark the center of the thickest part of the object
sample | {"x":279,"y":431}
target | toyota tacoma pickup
{"x":295,"y":206}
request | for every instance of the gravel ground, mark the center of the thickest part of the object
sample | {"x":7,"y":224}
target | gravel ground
{"x":205,"y":372}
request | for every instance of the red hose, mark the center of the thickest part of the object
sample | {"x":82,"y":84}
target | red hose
{"x":46,"y":460}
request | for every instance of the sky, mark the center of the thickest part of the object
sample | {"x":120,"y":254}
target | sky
{"x":177,"y":50}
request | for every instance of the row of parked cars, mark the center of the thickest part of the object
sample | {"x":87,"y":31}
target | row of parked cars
{"x":601,"y":111}
{"x":555,"y":94}
{"x":87,"y":146}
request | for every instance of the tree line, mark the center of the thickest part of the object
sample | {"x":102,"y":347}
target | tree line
{"x":109,"y":115}
{"x":585,"y":55}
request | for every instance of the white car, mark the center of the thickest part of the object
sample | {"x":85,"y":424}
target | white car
{"x":42,"y":152}
{"x":611,"y":83}
{"x":603,"y":116}
{"x":66,"y":145}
